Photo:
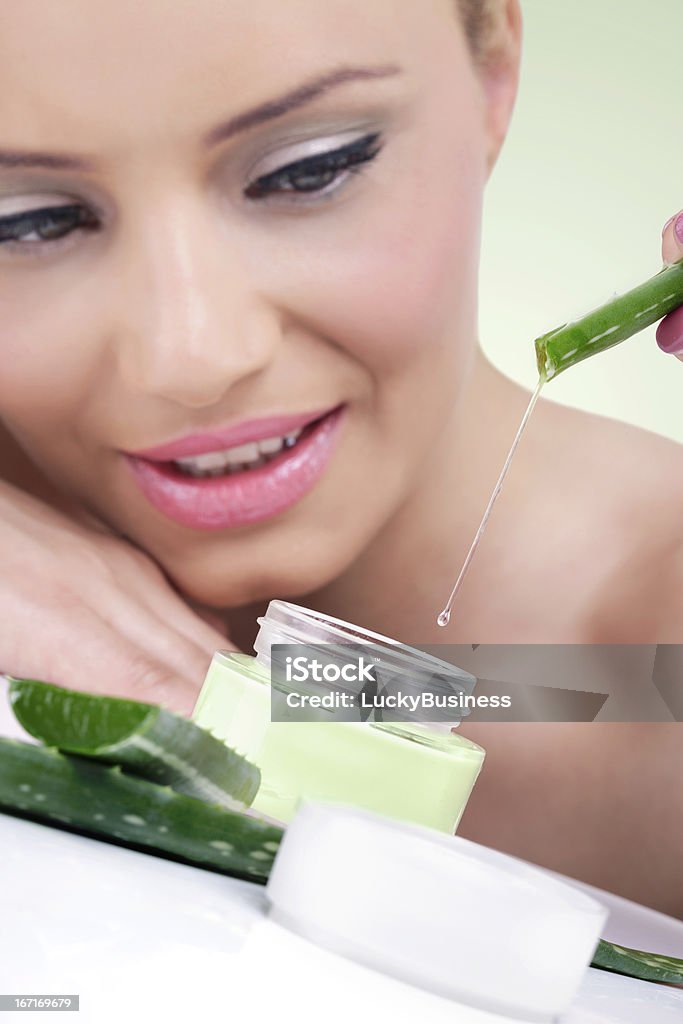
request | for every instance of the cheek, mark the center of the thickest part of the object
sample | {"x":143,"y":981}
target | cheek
{"x":399,"y":286}
{"x":411,"y":293}
{"x":47,"y":347}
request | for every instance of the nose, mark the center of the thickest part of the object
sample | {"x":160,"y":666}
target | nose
{"x":191,"y":323}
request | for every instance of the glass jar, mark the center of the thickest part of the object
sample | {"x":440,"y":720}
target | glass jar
{"x":414,"y":771}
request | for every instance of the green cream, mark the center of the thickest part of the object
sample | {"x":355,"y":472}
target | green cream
{"x":403,"y":770}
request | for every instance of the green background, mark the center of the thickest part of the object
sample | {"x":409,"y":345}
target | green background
{"x":591,"y":170}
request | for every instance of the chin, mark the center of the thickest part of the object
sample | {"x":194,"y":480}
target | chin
{"x":227,"y":582}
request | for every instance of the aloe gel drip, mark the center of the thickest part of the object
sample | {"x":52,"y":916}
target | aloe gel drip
{"x":608,"y":325}
{"x":445,"y":616}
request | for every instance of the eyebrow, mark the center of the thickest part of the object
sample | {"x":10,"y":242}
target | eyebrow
{"x":268,"y":111}
{"x":11,"y":159}
{"x":299,"y":97}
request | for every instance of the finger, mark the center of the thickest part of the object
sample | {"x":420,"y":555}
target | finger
{"x":159,"y":597}
{"x":208,"y":632}
{"x":83,"y":652}
{"x":672,"y":239}
{"x":141,"y":607}
{"x":670,"y":333}
{"x":216,"y":620}
{"x":142,"y":576}
{"x":135,"y":673}
{"x":158,"y":638}
{"x":670,"y":330}
{"x":140,"y":676}
{"x":138,"y":583}
{"x":156,"y":635}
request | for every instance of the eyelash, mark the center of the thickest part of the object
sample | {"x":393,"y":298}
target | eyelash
{"x":50,"y":223}
{"x":313,"y":176}
{"x":323,"y":169}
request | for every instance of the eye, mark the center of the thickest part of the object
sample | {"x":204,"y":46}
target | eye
{"x":320,"y":173}
{"x":46,"y":224}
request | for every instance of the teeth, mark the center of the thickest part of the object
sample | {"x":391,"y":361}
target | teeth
{"x":243,"y":453}
{"x":232,"y":460}
{"x":270,"y":446}
{"x":204,"y":463}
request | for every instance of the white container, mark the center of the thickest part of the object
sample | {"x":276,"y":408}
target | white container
{"x":438,"y":911}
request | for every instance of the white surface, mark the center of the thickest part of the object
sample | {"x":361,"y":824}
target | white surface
{"x":146,"y":940}
{"x":435,"y":909}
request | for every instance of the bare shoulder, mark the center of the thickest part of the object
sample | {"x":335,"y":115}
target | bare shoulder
{"x":625,"y":485}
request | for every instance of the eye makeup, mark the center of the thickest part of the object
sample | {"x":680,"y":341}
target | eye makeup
{"x":303,"y":171}
{"x":45,"y":224}
{"x":35,"y":220}
{"x":322,"y":166}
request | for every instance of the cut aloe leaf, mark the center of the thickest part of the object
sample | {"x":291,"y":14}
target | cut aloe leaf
{"x":610,"y":324}
{"x":143,"y":738}
{"x":106,"y":802}
{"x":636,"y":964}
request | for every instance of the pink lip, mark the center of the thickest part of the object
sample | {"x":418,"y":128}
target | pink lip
{"x":240,"y":499}
{"x":230,"y":437}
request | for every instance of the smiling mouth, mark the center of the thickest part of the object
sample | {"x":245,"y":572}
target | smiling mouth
{"x":241,"y":484}
{"x":241,"y":458}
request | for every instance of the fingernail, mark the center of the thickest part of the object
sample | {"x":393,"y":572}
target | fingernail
{"x":670,"y":337}
{"x":678,"y":228}
{"x":668,"y":225}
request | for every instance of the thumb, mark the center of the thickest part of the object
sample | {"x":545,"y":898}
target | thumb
{"x":670,"y":330}
{"x":672,"y":239}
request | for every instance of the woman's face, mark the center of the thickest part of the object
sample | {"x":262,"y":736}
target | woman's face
{"x":221,"y":223}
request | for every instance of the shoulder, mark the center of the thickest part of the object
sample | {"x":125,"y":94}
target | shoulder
{"x":638,"y":475}
{"x":628,"y":483}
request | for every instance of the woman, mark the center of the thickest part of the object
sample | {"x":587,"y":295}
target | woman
{"x":238,"y":282}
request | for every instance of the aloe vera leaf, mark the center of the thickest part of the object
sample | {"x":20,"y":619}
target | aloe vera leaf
{"x":104,"y":801}
{"x":143,"y":738}
{"x":637,"y":964}
{"x":611,"y":323}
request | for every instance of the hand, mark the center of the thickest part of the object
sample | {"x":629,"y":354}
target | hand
{"x":84,"y":609}
{"x":670,"y":330}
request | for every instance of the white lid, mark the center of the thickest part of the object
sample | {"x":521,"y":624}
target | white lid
{"x":438,"y":911}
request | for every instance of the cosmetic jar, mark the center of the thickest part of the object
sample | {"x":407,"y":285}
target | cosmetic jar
{"x":462,"y":921}
{"x":417,"y":771}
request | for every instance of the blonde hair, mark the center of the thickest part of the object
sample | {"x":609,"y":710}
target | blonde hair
{"x":481,"y":22}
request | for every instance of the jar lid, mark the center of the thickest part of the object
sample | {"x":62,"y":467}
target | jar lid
{"x":441,"y":912}
{"x":290,"y":629}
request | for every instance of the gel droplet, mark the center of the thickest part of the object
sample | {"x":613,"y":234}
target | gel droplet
{"x":444,"y":617}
